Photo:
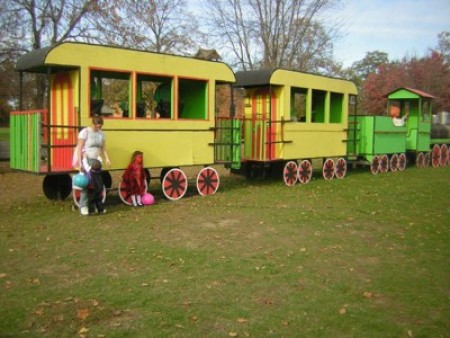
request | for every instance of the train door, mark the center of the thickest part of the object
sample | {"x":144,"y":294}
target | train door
{"x":63,"y":122}
{"x":260,"y":127}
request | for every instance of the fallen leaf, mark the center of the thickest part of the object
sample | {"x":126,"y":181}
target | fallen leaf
{"x":83,"y":314}
{"x":342,"y":311}
{"x":242,"y":320}
{"x":232,"y":334}
{"x":368,"y":294}
{"x":83,"y":330}
{"x":285,"y":322}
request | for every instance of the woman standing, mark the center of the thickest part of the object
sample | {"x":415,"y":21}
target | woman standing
{"x":91,"y":147}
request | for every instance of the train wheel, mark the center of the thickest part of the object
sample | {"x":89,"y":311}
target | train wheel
{"x":76,"y":195}
{"x":305,"y":171}
{"x":328,"y":169}
{"x":420,"y":160}
{"x":393,"y":162}
{"x":375,"y":165}
{"x":401,"y":162}
{"x":384,"y":163}
{"x":435,"y":156}
{"x":122,"y":190}
{"x":174,"y":184}
{"x":340,"y":169}
{"x":57,"y":187}
{"x":444,"y":155}
{"x":290,"y":173}
{"x":427,"y":160}
{"x":123,"y":194}
{"x":207,"y":181}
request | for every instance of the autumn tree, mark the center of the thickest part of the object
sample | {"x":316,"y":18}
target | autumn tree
{"x":430,"y":74}
{"x":163,"y":26}
{"x":33,"y":24}
{"x":272,"y":33}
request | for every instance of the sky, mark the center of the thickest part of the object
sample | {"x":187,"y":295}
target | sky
{"x":398,"y":27}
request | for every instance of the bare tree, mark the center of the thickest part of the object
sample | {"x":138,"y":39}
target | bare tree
{"x":163,"y":26}
{"x":33,"y":24}
{"x":273,"y":33}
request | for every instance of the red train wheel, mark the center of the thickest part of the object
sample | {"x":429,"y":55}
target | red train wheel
{"x":207,"y":181}
{"x":393,"y":162}
{"x":122,"y":190}
{"x":305,"y":171}
{"x":436,"y":156}
{"x":444,"y":155}
{"x":375,"y":165}
{"x":427,"y":160}
{"x":174,"y":184}
{"x":384,"y":163}
{"x":290,"y":173}
{"x":401,"y":162}
{"x":420,"y":160}
{"x":340,"y":169}
{"x":328,"y":169}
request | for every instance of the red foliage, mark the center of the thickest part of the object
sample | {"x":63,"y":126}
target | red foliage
{"x":430,"y":74}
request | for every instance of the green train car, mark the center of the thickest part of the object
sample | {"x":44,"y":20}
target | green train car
{"x":389,"y":142}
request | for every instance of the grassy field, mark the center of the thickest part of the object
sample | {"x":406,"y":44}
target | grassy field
{"x":4,"y":134}
{"x":367,"y":256}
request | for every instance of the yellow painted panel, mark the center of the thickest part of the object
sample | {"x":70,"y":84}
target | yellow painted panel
{"x":161,"y":149}
{"x":323,"y":141}
{"x":126,"y":59}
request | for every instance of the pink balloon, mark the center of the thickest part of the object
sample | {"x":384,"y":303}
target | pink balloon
{"x":148,"y":199}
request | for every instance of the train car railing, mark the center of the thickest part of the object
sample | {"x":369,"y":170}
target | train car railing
{"x":26,"y":139}
{"x":263,"y":138}
{"x":227,"y":142}
{"x":38,"y":146}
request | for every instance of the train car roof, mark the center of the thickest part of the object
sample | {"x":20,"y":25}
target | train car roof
{"x":408,"y":93}
{"x":72,"y":55}
{"x":281,"y":76}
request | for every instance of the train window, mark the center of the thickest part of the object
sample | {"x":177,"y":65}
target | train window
{"x":192,"y":96}
{"x":298,"y":104}
{"x":154,"y":96}
{"x":110,"y":93}
{"x":336,"y":107}
{"x":318,"y":106}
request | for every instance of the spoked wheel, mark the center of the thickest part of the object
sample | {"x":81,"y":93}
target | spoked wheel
{"x":420,"y":160}
{"x":444,"y":155}
{"x":207,"y":181}
{"x":76,"y":195}
{"x":290,"y":173}
{"x":174,"y":184}
{"x":427,"y":160}
{"x":384,"y":163}
{"x":328,"y":169}
{"x":393,"y":162}
{"x":123,"y":194}
{"x":340,"y":169}
{"x":375,"y":165}
{"x":401,"y":162}
{"x":305,"y":172}
{"x":436,"y":156}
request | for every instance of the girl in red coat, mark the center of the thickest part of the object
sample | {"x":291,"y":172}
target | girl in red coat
{"x":134,"y":178}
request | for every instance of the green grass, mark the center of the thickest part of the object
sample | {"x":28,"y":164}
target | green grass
{"x":367,"y":256}
{"x":4,"y":134}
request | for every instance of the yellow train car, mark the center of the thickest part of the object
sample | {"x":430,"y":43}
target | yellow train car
{"x":163,"y":105}
{"x":291,"y":118}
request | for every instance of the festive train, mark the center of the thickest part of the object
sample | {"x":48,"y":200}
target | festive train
{"x":187,"y":112}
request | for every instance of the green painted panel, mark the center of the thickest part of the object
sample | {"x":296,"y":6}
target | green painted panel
{"x":376,"y":135}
